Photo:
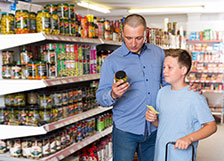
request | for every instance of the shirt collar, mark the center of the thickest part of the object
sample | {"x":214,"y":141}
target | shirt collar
{"x":126,"y":51}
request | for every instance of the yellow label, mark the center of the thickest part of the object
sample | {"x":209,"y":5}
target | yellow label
{"x":152,"y":109}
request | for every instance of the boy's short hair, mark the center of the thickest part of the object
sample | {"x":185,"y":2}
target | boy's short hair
{"x":183,"y":57}
{"x":134,"y":20}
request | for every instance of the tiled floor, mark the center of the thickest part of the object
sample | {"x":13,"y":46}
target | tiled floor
{"x":212,"y":148}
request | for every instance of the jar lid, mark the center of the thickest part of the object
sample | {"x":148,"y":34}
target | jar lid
{"x":54,"y":12}
{"x":120,"y":74}
{"x":48,"y":5}
{"x":33,"y":13}
{"x":42,"y":11}
{"x":21,"y":10}
{"x":71,"y":5}
{"x":63,"y":4}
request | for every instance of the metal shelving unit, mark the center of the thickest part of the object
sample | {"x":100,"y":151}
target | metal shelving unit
{"x":214,"y":96}
{"x":13,"y":86}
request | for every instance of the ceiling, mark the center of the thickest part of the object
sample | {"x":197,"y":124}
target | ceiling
{"x":119,"y":8}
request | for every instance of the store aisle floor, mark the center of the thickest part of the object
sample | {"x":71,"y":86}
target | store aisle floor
{"x":212,"y":148}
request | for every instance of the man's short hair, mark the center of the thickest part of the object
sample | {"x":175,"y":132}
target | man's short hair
{"x":134,"y":20}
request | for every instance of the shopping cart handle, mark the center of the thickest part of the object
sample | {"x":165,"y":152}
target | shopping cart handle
{"x":172,"y":142}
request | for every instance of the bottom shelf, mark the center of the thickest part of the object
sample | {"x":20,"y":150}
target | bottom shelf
{"x":65,"y":152}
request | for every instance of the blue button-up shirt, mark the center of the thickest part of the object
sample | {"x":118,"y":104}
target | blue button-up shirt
{"x":144,"y":72}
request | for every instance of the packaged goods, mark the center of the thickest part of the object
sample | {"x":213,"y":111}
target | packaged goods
{"x":43,"y":22}
{"x":62,"y":10}
{"x":33,"y":24}
{"x":7,"y":23}
{"x":7,"y":57}
{"x":55,"y":23}
{"x":120,"y":75}
{"x":22,"y":21}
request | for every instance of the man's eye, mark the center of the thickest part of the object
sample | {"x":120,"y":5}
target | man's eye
{"x":139,"y":38}
{"x":129,"y":38}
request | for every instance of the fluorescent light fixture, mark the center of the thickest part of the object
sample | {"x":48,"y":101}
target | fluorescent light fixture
{"x":171,"y":9}
{"x":93,"y":7}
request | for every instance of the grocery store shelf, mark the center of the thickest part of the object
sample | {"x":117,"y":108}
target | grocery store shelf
{"x":11,"y":86}
{"x":204,"y":81}
{"x":16,"y":40}
{"x":9,"y":131}
{"x":65,"y":152}
{"x":212,"y":91}
{"x":77,"y":146}
{"x":206,"y":71}
{"x":204,"y":41}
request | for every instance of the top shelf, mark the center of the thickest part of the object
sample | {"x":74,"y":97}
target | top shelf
{"x":15,"y":40}
{"x":204,"y":41}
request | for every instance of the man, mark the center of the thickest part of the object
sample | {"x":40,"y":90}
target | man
{"x":143,"y":65}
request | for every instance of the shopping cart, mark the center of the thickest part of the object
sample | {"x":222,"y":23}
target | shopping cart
{"x":174,"y":144}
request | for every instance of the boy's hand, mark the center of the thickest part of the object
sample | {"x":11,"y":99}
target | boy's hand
{"x":119,"y":88}
{"x":195,"y":87}
{"x":151,"y":116}
{"x":183,"y":143}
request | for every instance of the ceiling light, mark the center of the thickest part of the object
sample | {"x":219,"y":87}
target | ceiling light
{"x":93,"y":7}
{"x":170,"y":9}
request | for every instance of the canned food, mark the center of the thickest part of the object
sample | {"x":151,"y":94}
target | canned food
{"x":22,"y":21}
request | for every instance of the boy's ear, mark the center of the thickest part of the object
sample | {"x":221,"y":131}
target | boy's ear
{"x":184,"y":70}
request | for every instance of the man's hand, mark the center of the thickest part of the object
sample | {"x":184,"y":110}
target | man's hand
{"x":183,"y":143}
{"x":195,"y":87}
{"x":119,"y":88}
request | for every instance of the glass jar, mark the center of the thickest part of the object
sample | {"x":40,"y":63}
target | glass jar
{"x":52,"y":71}
{"x":33,"y":24}
{"x":66,"y":27}
{"x":71,"y":12}
{"x":55,"y":23}
{"x":45,"y":100}
{"x":32,"y":98}
{"x":6,"y":72}
{"x":9,"y":100}
{"x":16,"y":72}
{"x":7,"y":57}
{"x":32,"y":70}
{"x":41,"y":70}
{"x":22,"y":21}
{"x":7,"y":23}
{"x":72,"y":29}
{"x":19,"y":100}
{"x":51,"y":8}
{"x":43,"y":21}
{"x":121,"y":75}
{"x":50,"y":56}
{"x":25,"y":72}
{"x":62,"y":10}
{"x":61,"y":27}
{"x":25,"y":57}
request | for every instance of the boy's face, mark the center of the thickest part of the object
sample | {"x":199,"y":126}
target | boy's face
{"x":172,"y":71}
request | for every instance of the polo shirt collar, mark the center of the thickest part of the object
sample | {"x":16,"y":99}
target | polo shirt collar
{"x":126,"y":51}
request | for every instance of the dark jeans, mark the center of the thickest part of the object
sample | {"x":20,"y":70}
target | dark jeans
{"x":125,"y":145}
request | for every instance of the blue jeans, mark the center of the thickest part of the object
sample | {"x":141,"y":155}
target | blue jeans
{"x":125,"y":145}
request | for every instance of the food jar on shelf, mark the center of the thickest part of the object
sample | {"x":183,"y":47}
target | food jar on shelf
{"x":51,"y":8}
{"x":7,"y":57}
{"x":19,"y":100}
{"x":41,"y":70}
{"x":22,"y":21}
{"x":7,"y":23}
{"x":66,"y":27}
{"x":62,"y":10}
{"x":32,"y":70}
{"x":6,"y":71}
{"x":71,"y":12}
{"x":55,"y":23}
{"x":45,"y":100}
{"x":61,"y":27}
{"x":25,"y":56}
{"x":16,"y":71}
{"x":25,"y":72}
{"x":72,"y":29}
{"x":43,"y":21}
{"x":52,"y":71}
{"x":33,"y":24}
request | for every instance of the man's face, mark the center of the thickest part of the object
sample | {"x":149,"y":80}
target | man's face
{"x":133,"y":38}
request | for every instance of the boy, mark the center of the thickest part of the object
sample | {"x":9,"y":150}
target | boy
{"x":184,"y":115}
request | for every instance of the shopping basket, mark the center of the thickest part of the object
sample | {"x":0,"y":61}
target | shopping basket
{"x":174,"y":144}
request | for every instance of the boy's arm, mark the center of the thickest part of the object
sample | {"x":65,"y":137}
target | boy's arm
{"x":207,"y":130}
